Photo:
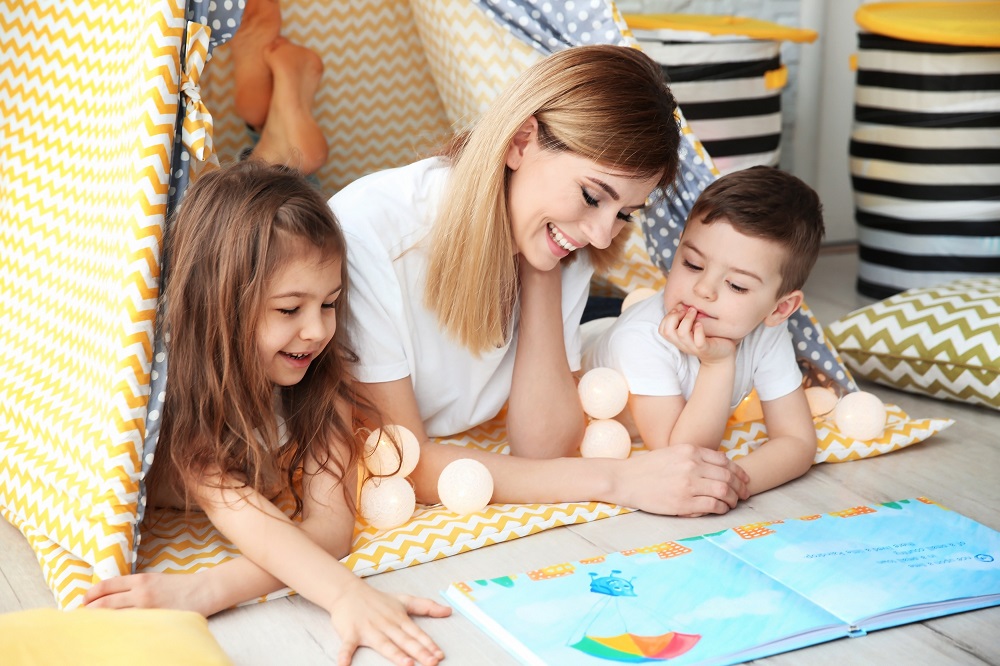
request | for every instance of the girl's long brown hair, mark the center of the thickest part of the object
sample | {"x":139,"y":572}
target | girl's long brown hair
{"x":236,"y":228}
{"x":606,"y":103}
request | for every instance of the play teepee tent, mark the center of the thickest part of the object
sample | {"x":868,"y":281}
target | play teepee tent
{"x":104,"y":108}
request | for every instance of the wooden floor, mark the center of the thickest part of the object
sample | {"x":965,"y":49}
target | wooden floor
{"x":958,"y":468}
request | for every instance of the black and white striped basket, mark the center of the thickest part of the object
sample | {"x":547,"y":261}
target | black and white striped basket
{"x":730,"y":90}
{"x":925,"y":163}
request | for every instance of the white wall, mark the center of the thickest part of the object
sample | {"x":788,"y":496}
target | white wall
{"x":824,"y":113}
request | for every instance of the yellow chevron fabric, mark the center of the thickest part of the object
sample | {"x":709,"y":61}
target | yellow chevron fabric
{"x":833,"y":446}
{"x":471,"y":57}
{"x":939,"y":341}
{"x":377,"y":104}
{"x":88,"y":94}
{"x":173,"y":542}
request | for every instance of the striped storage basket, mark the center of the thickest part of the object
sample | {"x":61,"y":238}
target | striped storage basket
{"x":727,"y":75}
{"x":925,"y":146}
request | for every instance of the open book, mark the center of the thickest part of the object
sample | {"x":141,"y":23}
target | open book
{"x":744,"y":593}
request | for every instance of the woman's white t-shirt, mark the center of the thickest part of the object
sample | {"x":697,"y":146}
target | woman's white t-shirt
{"x":765,"y":359}
{"x":387,"y":217}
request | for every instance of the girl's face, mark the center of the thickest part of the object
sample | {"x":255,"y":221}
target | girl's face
{"x":560,"y":202}
{"x":300,"y":314}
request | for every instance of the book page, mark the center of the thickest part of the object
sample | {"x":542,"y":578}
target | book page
{"x":685,"y":601}
{"x":881,"y":565}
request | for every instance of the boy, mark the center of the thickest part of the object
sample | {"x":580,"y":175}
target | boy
{"x":717,"y":331}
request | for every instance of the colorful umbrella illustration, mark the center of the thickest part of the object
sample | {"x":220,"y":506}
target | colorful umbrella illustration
{"x":633,"y":649}
{"x":627,"y":647}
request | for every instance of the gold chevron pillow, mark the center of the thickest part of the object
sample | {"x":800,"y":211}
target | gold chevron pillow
{"x":941,"y":341}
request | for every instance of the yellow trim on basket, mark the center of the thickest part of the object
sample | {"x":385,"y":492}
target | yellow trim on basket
{"x":954,"y":23}
{"x":776,"y":78}
{"x":720,"y":25}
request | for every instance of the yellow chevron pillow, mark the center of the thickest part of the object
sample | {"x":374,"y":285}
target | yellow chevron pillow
{"x":941,"y":341}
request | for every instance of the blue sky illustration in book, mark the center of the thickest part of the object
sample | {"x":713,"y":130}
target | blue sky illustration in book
{"x":870,"y":562}
{"x":629,"y":607}
{"x":689,"y":601}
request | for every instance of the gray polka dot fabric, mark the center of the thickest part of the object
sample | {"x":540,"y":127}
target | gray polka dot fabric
{"x":223,"y":17}
{"x":552,"y":25}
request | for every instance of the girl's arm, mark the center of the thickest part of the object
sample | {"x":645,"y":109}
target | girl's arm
{"x":679,"y":480}
{"x":278,"y":552}
{"x":360,"y":614}
{"x":544,"y":416}
{"x":790,"y":448}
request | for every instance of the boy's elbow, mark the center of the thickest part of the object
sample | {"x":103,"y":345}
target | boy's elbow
{"x":806,"y":454}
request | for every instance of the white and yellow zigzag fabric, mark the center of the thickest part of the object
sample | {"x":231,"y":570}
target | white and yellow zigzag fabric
{"x":197,"y":127}
{"x":173,"y":542}
{"x":88,"y":97}
{"x":377,"y":105}
{"x":176,"y":543}
{"x":832,"y":445}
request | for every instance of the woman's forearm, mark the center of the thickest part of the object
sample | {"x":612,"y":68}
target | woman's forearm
{"x":544,"y":416}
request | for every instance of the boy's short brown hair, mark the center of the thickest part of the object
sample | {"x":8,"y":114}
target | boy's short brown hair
{"x":765,"y":202}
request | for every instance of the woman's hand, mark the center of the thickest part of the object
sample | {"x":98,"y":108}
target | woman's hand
{"x":364,"y":616}
{"x":681,"y":480}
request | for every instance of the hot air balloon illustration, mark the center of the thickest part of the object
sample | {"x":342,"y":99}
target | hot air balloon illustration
{"x":624,"y":646}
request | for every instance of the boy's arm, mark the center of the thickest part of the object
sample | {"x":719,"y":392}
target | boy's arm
{"x":790,"y":447}
{"x":655,"y":417}
{"x":702,"y":422}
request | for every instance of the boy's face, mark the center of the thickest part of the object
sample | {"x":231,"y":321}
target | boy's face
{"x":731,"y":279}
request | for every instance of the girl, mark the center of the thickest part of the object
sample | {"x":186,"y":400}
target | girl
{"x":471,"y":272}
{"x":259,"y":390}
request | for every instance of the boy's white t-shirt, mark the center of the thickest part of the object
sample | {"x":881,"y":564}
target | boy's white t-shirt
{"x":765,"y":359}
{"x":386,"y":218}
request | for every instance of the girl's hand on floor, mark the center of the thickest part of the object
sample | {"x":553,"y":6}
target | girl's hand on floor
{"x":366,"y":616}
{"x":150,"y":590}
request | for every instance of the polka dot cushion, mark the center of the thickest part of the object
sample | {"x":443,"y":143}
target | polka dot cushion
{"x":941,"y":341}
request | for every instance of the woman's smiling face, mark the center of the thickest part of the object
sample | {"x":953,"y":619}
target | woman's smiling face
{"x":560,"y":202}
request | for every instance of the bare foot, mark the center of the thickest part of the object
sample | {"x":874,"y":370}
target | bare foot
{"x":292,"y":136}
{"x":260,"y":26}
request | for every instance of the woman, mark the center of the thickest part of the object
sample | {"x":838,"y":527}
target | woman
{"x":470,"y":272}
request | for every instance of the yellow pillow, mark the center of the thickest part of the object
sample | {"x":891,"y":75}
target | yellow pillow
{"x":108,"y":637}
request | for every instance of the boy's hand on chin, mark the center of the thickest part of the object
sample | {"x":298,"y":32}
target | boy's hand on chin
{"x":681,"y":328}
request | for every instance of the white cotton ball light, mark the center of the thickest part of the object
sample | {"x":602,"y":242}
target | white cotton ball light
{"x":465,"y":486}
{"x":381,"y":455}
{"x":606,"y":438}
{"x":387,"y":502}
{"x":603,"y":393}
{"x":636,"y":295}
{"x":860,"y":415}
{"x":821,"y":400}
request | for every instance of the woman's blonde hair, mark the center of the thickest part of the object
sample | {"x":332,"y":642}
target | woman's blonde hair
{"x":237,"y":227}
{"x":606,"y":103}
